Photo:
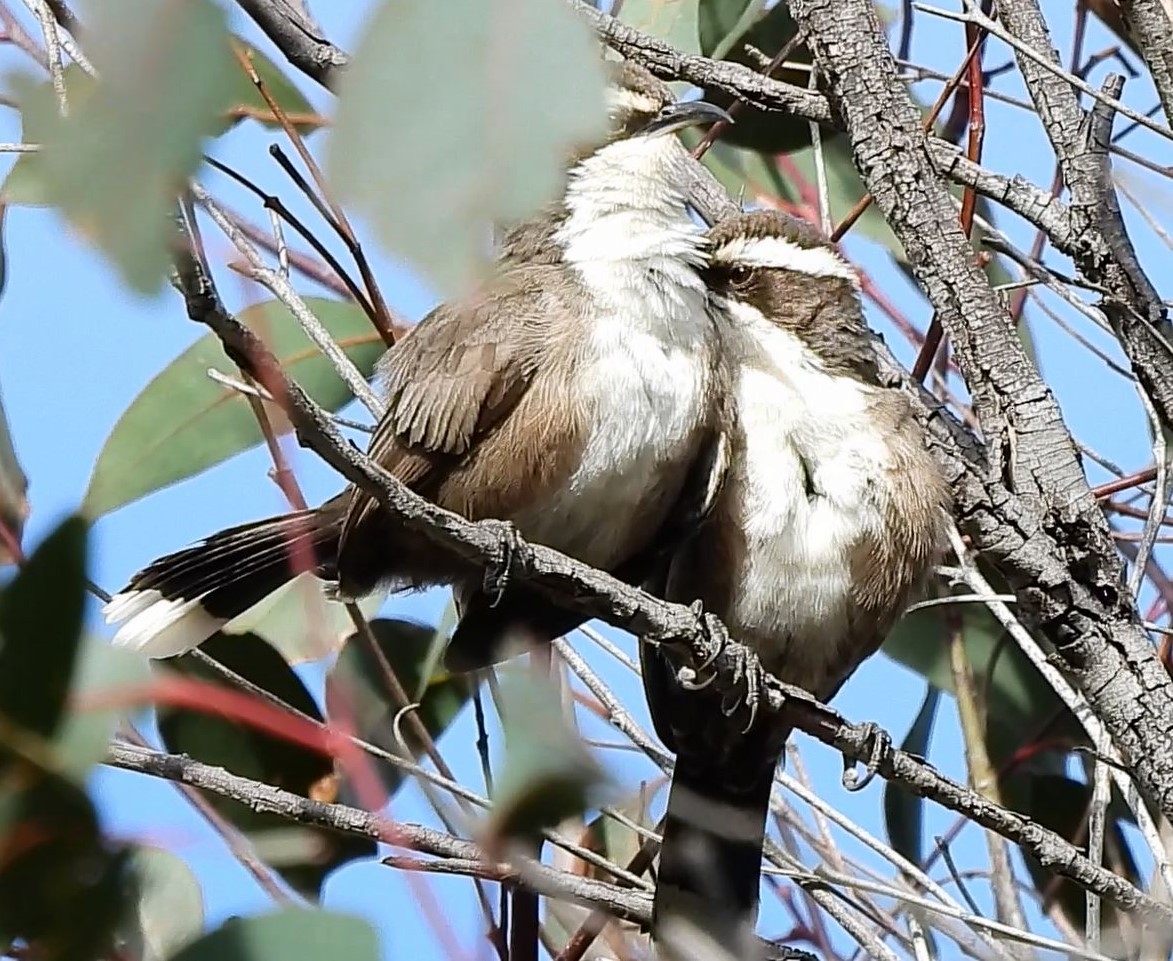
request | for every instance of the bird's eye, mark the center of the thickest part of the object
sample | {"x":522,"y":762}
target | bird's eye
{"x":740,"y":275}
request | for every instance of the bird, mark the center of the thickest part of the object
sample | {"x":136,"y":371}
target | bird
{"x":574,"y":395}
{"x":831,"y":517}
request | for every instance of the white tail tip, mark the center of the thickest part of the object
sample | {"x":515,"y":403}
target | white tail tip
{"x":157,"y":627}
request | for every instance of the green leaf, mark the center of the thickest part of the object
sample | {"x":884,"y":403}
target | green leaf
{"x":14,"y":485}
{"x":170,"y":909}
{"x":262,"y":757}
{"x":62,"y":885}
{"x":116,"y":163}
{"x":40,"y":625}
{"x":358,"y":681}
{"x":300,"y":621}
{"x":183,"y":422}
{"x":722,"y":35}
{"x":1020,"y":703}
{"x":673,"y":21}
{"x":290,"y":935}
{"x":903,"y":810}
{"x":549,"y":774}
{"x":247,"y":101}
{"x":453,"y":116}
{"x":84,"y":735}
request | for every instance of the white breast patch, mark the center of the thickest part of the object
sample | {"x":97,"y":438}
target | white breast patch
{"x":800,"y":421}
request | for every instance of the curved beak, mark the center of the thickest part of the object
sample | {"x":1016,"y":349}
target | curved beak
{"x":686,"y":113}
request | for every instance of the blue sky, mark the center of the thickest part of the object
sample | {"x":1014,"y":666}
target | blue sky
{"x":76,"y":348}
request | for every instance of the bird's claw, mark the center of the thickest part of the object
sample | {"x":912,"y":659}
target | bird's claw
{"x":508,"y":551}
{"x":880,"y":742}
{"x":694,"y":678}
{"x":747,"y":670}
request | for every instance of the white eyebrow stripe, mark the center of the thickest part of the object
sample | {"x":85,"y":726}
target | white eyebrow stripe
{"x":783,"y":254}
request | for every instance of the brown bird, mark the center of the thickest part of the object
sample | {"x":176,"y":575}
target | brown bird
{"x":574,"y":395}
{"x":831,"y":516}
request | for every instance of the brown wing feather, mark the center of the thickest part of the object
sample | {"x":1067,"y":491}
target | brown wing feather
{"x":455,"y":376}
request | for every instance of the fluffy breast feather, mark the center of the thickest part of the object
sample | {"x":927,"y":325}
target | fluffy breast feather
{"x":806,"y":492}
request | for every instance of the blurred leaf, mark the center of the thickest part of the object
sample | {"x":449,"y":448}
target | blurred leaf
{"x":170,"y":909}
{"x":84,"y":734}
{"x":435,"y":132}
{"x":183,"y":422}
{"x":300,"y":621}
{"x":25,"y":183}
{"x":768,"y":131}
{"x":247,"y":101}
{"x":1061,"y":804}
{"x":14,"y":485}
{"x":1021,"y":706}
{"x":40,"y":625}
{"x":673,"y":21}
{"x":358,"y":679}
{"x":61,"y":885}
{"x":615,"y":841}
{"x":261,"y":757}
{"x":289,"y":935}
{"x":903,"y":810}
{"x":549,"y":774}
{"x":115,"y":165}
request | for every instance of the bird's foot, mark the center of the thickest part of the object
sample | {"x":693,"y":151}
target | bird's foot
{"x":880,"y":743}
{"x":509,"y":551}
{"x":699,"y":677}
{"x":747,"y":670}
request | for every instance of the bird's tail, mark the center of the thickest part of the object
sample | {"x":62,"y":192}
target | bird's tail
{"x":710,"y":865}
{"x":179,"y":601}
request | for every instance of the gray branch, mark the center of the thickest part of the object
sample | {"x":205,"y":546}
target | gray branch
{"x":298,"y":38}
{"x":1100,"y":245}
{"x":1150,"y":24}
{"x":1032,"y":512}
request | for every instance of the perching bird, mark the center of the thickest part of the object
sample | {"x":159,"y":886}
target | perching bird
{"x":575,"y":395}
{"x":831,"y":516}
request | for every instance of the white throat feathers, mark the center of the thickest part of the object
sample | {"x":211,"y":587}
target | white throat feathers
{"x":624,"y":205}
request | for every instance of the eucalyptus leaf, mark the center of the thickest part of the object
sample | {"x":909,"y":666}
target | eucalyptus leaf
{"x":300,"y":621}
{"x":85,"y":733}
{"x":1020,"y":704}
{"x":359,"y":685}
{"x":40,"y":626}
{"x":289,"y":935}
{"x":674,"y":21}
{"x":63,"y":886}
{"x":903,"y":810}
{"x":549,"y":774}
{"x":116,"y":163}
{"x":14,"y":505}
{"x":262,"y":757}
{"x":1060,"y":804}
{"x":725,"y":34}
{"x":170,"y":909}
{"x":183,"y":422}
{"x":453,"y":116}
{"x":247,"y":102}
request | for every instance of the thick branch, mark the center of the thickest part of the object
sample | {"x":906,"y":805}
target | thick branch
{"x":1101,"y":248}
{"x":297,"y":37}
{"x":1036,"y":517}
{"x":1150,"y":24}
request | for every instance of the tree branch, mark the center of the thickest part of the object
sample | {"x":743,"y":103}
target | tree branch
{"x":1033,"y":513}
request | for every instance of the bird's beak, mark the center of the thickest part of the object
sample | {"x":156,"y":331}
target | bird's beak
{"x":686,"y":113}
